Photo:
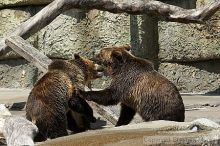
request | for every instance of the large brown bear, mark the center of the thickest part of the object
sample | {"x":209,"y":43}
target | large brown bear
{"x":53,"y":104}
{"x":138,"y":87}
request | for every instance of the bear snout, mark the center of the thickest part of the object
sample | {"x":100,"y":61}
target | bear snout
{"x":99,"y":70}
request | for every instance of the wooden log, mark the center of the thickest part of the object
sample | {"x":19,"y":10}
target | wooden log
{"x":4,"y":113}
{"x":19,"y":3}
{"x":155,"y":8}
{"x":169,"y":133}
{"x":26,"y":50}
{"x":19,"y":131}
{"x":105,"y":112}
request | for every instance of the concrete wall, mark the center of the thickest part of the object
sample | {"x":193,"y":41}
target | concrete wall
{"x":186,"y":54}
{"x":189,"y":53}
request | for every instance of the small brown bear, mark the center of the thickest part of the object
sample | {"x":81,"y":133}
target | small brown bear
{"x":53,"y":105}
{"x":138,"y":87}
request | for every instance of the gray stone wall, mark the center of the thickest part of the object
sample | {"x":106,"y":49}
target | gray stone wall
{"x":190,"y":53}
{"x":187,"y":54}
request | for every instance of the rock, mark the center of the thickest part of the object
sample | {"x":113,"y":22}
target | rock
{"x":168,"y":133}
{"x":190,"y":42}
{"x":3,"y":113}
{"x":17,"y":74}
{"x":161,"y":125}
{"x":201,"y":77}
{"x":78,"y":31}
{"x":204,"y":124}
{"x":19,"y":131}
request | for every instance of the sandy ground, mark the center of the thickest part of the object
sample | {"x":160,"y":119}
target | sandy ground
{"x":197,"y":106}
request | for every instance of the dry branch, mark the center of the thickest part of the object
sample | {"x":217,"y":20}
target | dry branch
{"x":134,"y":7}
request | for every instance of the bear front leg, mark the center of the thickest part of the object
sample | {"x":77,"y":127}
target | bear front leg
{"x":103,"y":97}
{"x":88,"y":111}
{"x":75,"y":104}
{"x":79,"y":105}
{"x":126,"y":115}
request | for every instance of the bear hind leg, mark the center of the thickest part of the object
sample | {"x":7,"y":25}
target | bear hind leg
{"x":126,"y":115}
{"x":57,"y":132}
{"x":57,"y":127}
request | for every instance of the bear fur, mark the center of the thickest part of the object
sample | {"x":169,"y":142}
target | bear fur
{"x":138,"y":87}
{"x":53,"y":104}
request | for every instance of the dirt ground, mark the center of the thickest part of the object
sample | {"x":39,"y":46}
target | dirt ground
{"x":197,"y":106}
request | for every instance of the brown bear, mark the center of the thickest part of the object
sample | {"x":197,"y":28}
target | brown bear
{"x":138,"y":87}
{"x":53,"y":105}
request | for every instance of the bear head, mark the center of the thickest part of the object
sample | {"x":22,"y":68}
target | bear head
{"x":112,"y":58}
{"x":83,"y":68}
{"x":90,"y":69}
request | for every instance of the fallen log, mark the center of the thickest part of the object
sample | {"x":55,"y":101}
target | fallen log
{"x":155,"y":8}
{"x":4,"y":113}
{"x":166,"y":133}
{"x":15,"y":3}
{"x":19,"y":131}
{"x":105,"y":112}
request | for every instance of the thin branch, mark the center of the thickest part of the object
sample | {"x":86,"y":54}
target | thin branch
{"x":134,"y":7}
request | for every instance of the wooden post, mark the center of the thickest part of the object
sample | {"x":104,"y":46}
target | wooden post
{"x":26,"y":50}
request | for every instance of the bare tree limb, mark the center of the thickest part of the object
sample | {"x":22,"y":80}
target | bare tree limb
{"x":8,"y":4}
{"x":30,"y":53}
{"x":154,"y":8}
{"x":134,"y":7}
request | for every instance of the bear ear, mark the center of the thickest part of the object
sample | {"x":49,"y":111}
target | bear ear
{"x":117,"y":55}
{"x":76,"y":56}
{"x":127,"y":47}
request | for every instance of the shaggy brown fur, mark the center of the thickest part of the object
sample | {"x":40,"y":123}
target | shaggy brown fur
{"x":138,"y":87}
{"x":49,"y":103}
